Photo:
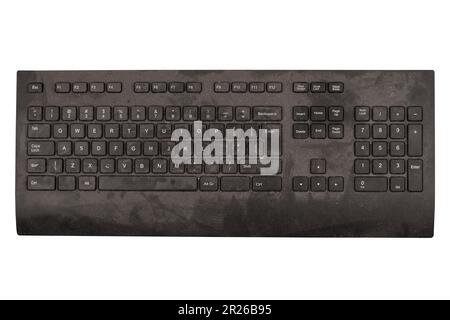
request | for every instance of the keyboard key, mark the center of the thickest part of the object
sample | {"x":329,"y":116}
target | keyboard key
{"x":66,"y":183}
{"x":114,"y":87}
{"x":209,"y":183}
{"x":72,"y":165}
{"x":111,"y":130}
{"x":415,"y":140}
{"x":69,"y":113}
{"x":397,"y":113}
{"x":77,"y":131}
{"x":79,"y":87}
{"x":141,"y":87}
{"x":55,"y":165}
{"x":97,"y":87}
{"x":318,"y":131}
{"x":300,"y":113}
{"x":397,"y":166}
{"x":415,"y":175}
{"x":266,"y":183}
{"x":62,"y":87}
{"x":362,"y":166}
{"x":81,"y":148}
{"x":397,"y":131}
{"x":107,"y":165}
{"x":89,"y":165}
{"x":41,"y":148}
{"x":274,"y":87}
{"x":176,"y":87}
{"x":318,"y":87}
{"x":225,"y":113}
{"x":397,"y":149}
{"x":124,"y":165}
{"x":336,"y":184}
{"x":235,"y":184}
{"x":36,"y":165}
{"x":41,"y":183}
{"x":379,"y":131}
{"x":34,"y":113}
{"x":194,"y":87}
{"x":133,"y":148}
{"x":155,"y":113}
{"x":159,"y":87}
{"x":379,"y":149}
{"x":362,"y":114}
{"x":362,"y":131}
{"x":120,"y":113}
{"x":362,"y":149}
{"x":146,"y":131}
{"x":318,"y":114}
{"x":159,"y":166}
{"x":379,"y":166}
{"x":256,"y":87}
{"x":138,"y":113}
{"x":300,"y":184}
{"x":414,"y":113}
{"x":98,"y":148}
{"x":239,"y":87}
{"x":243,"y":113}
{"x":173,"y":113}
{"x":267,"y":114}
{"x":318,"y":166}
{"x":207,"y":113}
{"x":370,"y":184}
{"x":221,"y":87}
{"x":300,"y":87}
{"x":141,"y":166}
{"x":335,"y":131}
{"x":64,"y":148}
{"x":163,"y":130}
{"x":147,"y":183}
{"x":52,"y":113}
{"x":318,"y":184}
{"x":86,"y":113}
{"x":397,"y":184}
{"x":103,"y":113}
{"x":336,"y":113}
{"x":35,"y":87}
{"x":38,"y":131}
{"x":379,"y":114}
{"x":129,"y":130}
{"x":86,"y":183}
{"x":335,"y":87}
{"x":150,"y":148}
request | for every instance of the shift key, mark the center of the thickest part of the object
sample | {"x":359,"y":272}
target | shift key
{"x":415,"y":175}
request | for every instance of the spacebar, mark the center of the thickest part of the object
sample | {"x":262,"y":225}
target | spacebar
{"x":147,"y":183}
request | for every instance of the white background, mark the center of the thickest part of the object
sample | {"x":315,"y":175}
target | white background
{"x":240,"y":34}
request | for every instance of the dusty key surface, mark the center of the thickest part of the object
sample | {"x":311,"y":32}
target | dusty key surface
{"x":93,"y":153}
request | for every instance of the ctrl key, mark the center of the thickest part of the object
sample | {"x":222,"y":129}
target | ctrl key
{"x":37,"y":183}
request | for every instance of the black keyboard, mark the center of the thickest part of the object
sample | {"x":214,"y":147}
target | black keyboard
{"x":95,"y":153}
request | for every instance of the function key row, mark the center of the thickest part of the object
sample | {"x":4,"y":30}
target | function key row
{"x":253,"y":87}
{"x":172,"y":87}
{"x":84,"y":87}
{"x":381,"y":113}
{"x":155,"y":113}
{"x":190,"y":87}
